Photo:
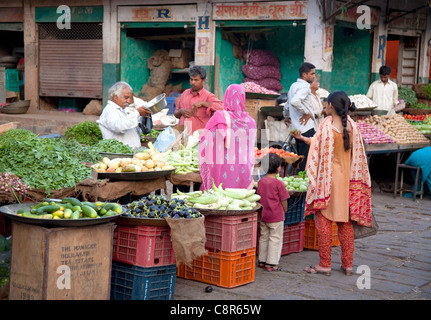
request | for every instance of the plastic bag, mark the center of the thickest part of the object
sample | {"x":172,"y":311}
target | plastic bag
{"x":165,"y":140}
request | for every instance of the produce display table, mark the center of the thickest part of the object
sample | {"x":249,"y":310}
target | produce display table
{"x":187,"y":179}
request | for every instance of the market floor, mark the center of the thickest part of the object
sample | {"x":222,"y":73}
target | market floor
{"x":397,"y":262}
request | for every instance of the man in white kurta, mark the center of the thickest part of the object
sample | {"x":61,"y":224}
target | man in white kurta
{"x":384,"y":92}
{"x":120,"y":119}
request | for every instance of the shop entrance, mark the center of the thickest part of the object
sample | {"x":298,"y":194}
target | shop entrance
{"x":285,"y":39}
{"x":402,"y":57}
{"x":155,"y":57}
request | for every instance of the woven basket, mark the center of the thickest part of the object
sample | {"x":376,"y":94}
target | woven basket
{"x":417,"y":111}
{"x":16,"y":107}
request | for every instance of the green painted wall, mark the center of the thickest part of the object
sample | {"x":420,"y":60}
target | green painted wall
{"x":78,"y":14}
{"x":111,"y":74}
{"x":285,"y":41}
{"x":351,"y":60}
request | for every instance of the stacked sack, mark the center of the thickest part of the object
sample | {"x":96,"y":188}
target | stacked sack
{"x":263,"y":68}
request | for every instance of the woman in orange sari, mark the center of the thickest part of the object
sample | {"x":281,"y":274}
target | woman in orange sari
{"x":339,"y":187}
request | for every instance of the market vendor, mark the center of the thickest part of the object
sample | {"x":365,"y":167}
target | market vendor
{"x":384,"y":92}
{"x":118,"y":120}
{"x":196,"y":105}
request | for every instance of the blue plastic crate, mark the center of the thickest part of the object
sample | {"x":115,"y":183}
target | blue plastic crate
{"x":295,"y":210}
{"x":129,"y":282}
{"x":171,"y":104}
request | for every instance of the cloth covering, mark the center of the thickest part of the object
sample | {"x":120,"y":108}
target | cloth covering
{"x":422,"y":158}
{"x":226,"y":148}
{"x":319,"y":172}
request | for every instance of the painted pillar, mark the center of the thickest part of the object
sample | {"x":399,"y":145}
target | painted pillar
{"x":205,"y":42}
{"x":319,"y":38}
{"x":425,"y":62}
{"x":111,"y":48}
{"x":378,"y":58}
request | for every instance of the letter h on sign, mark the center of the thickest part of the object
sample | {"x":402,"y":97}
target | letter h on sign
{"x":204,"y":23}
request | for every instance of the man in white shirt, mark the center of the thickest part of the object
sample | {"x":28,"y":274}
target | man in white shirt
{"x":299,"y":108}
{"x":118,"y":120}
{"x":384,"y":92}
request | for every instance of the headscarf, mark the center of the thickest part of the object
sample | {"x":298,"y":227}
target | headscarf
{"x":228,"y":123}
{"x":319,"y":173}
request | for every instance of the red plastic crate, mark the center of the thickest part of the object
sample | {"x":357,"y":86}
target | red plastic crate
{"x":224,"y":269}
{"x":310,"y":236}
{"x":144,"y":246}
{"x":231,"y":233}
{"x":293,"y":238}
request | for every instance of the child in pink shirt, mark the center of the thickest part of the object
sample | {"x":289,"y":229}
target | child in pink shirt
{"x":274,"y":202}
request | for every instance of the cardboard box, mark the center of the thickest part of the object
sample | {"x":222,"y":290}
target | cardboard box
{"x":72,"y":263}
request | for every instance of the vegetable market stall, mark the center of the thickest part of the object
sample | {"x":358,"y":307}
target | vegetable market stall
{"x":391,"y":134}
{"x":65,"y":236}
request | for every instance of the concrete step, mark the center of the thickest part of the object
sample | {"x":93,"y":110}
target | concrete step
{"x":47,"y":122}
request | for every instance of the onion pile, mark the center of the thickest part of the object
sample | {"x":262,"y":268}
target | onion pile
{"x":10,"y":182}
{"x":362,"y":101}
{"x":372,"y":135}
{"x":397,"y":128}
{"x":322,"y":93}
{"x":255,"y":88}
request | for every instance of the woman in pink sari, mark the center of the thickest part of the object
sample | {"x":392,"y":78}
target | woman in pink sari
{"x":226,"y":148}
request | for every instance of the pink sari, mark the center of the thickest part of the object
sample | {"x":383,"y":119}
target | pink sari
{"x":226,"y":148}
{"x":319,"y":172}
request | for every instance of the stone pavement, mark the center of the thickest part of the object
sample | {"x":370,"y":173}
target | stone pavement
{"x":398,"y":258}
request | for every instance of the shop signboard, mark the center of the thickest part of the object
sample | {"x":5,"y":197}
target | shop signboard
{"x":166,"y":13}
{"x":281,"y":10}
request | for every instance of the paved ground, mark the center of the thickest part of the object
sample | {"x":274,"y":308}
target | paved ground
{"x":398,"y":258}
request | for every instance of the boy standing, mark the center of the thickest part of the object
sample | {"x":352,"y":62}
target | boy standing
{"x":274,"y":197}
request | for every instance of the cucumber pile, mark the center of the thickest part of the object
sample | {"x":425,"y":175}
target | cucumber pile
{"x":71,"y":208}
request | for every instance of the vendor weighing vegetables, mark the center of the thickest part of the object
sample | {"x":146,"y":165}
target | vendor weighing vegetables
{"x":120,"y":122}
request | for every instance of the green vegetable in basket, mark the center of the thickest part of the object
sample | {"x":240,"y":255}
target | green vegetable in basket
{"x":408,"y":95}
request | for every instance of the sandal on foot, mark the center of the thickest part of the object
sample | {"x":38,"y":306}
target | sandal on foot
{"x":315,"y":270}
{"x":261,"y":264}
{"x":272,"y":267}
{"x":347,"y":271}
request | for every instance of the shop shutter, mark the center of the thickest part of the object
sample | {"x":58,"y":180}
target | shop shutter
{"x":70,"y":60}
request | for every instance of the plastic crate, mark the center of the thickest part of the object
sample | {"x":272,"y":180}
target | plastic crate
{"x":138,"y":283}
{"x":144,"y":246}
{"x":224,"y":269}
{"x":295,"y":210}
{"x":310,"y":235}
{"x":12,"y":80}
{"x":293,"y":238}
{"x":68,"y":104}
{"x":171,"y":104}
{"x":231,"y":233}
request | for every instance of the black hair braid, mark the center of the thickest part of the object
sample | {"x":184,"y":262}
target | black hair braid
{"x":346,"y":138}
{"x":342,"y":104}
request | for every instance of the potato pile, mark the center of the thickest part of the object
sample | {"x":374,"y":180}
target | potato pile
{"x":148,"y":160}
{"x":397,"y":128}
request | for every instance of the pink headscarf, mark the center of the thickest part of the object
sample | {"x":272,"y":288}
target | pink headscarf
{"x":226,"y":149}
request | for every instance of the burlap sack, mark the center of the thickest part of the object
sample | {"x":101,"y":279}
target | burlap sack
{"x":188,"y":239}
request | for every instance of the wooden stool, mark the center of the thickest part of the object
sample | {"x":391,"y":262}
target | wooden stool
{"x":415,"y":190}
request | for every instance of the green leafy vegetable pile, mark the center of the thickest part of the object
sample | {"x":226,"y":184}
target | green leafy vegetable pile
{"x":17,"y":134}
{"x":86,"y":132}
{"x":427,"y":89}
{"x":420,"y":106}
{"x":43,"y":164}
{"x":111,"y":146}
{"x":408,"y":95}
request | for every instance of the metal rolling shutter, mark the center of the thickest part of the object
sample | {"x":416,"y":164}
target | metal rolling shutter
{"x":70,"y":61}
